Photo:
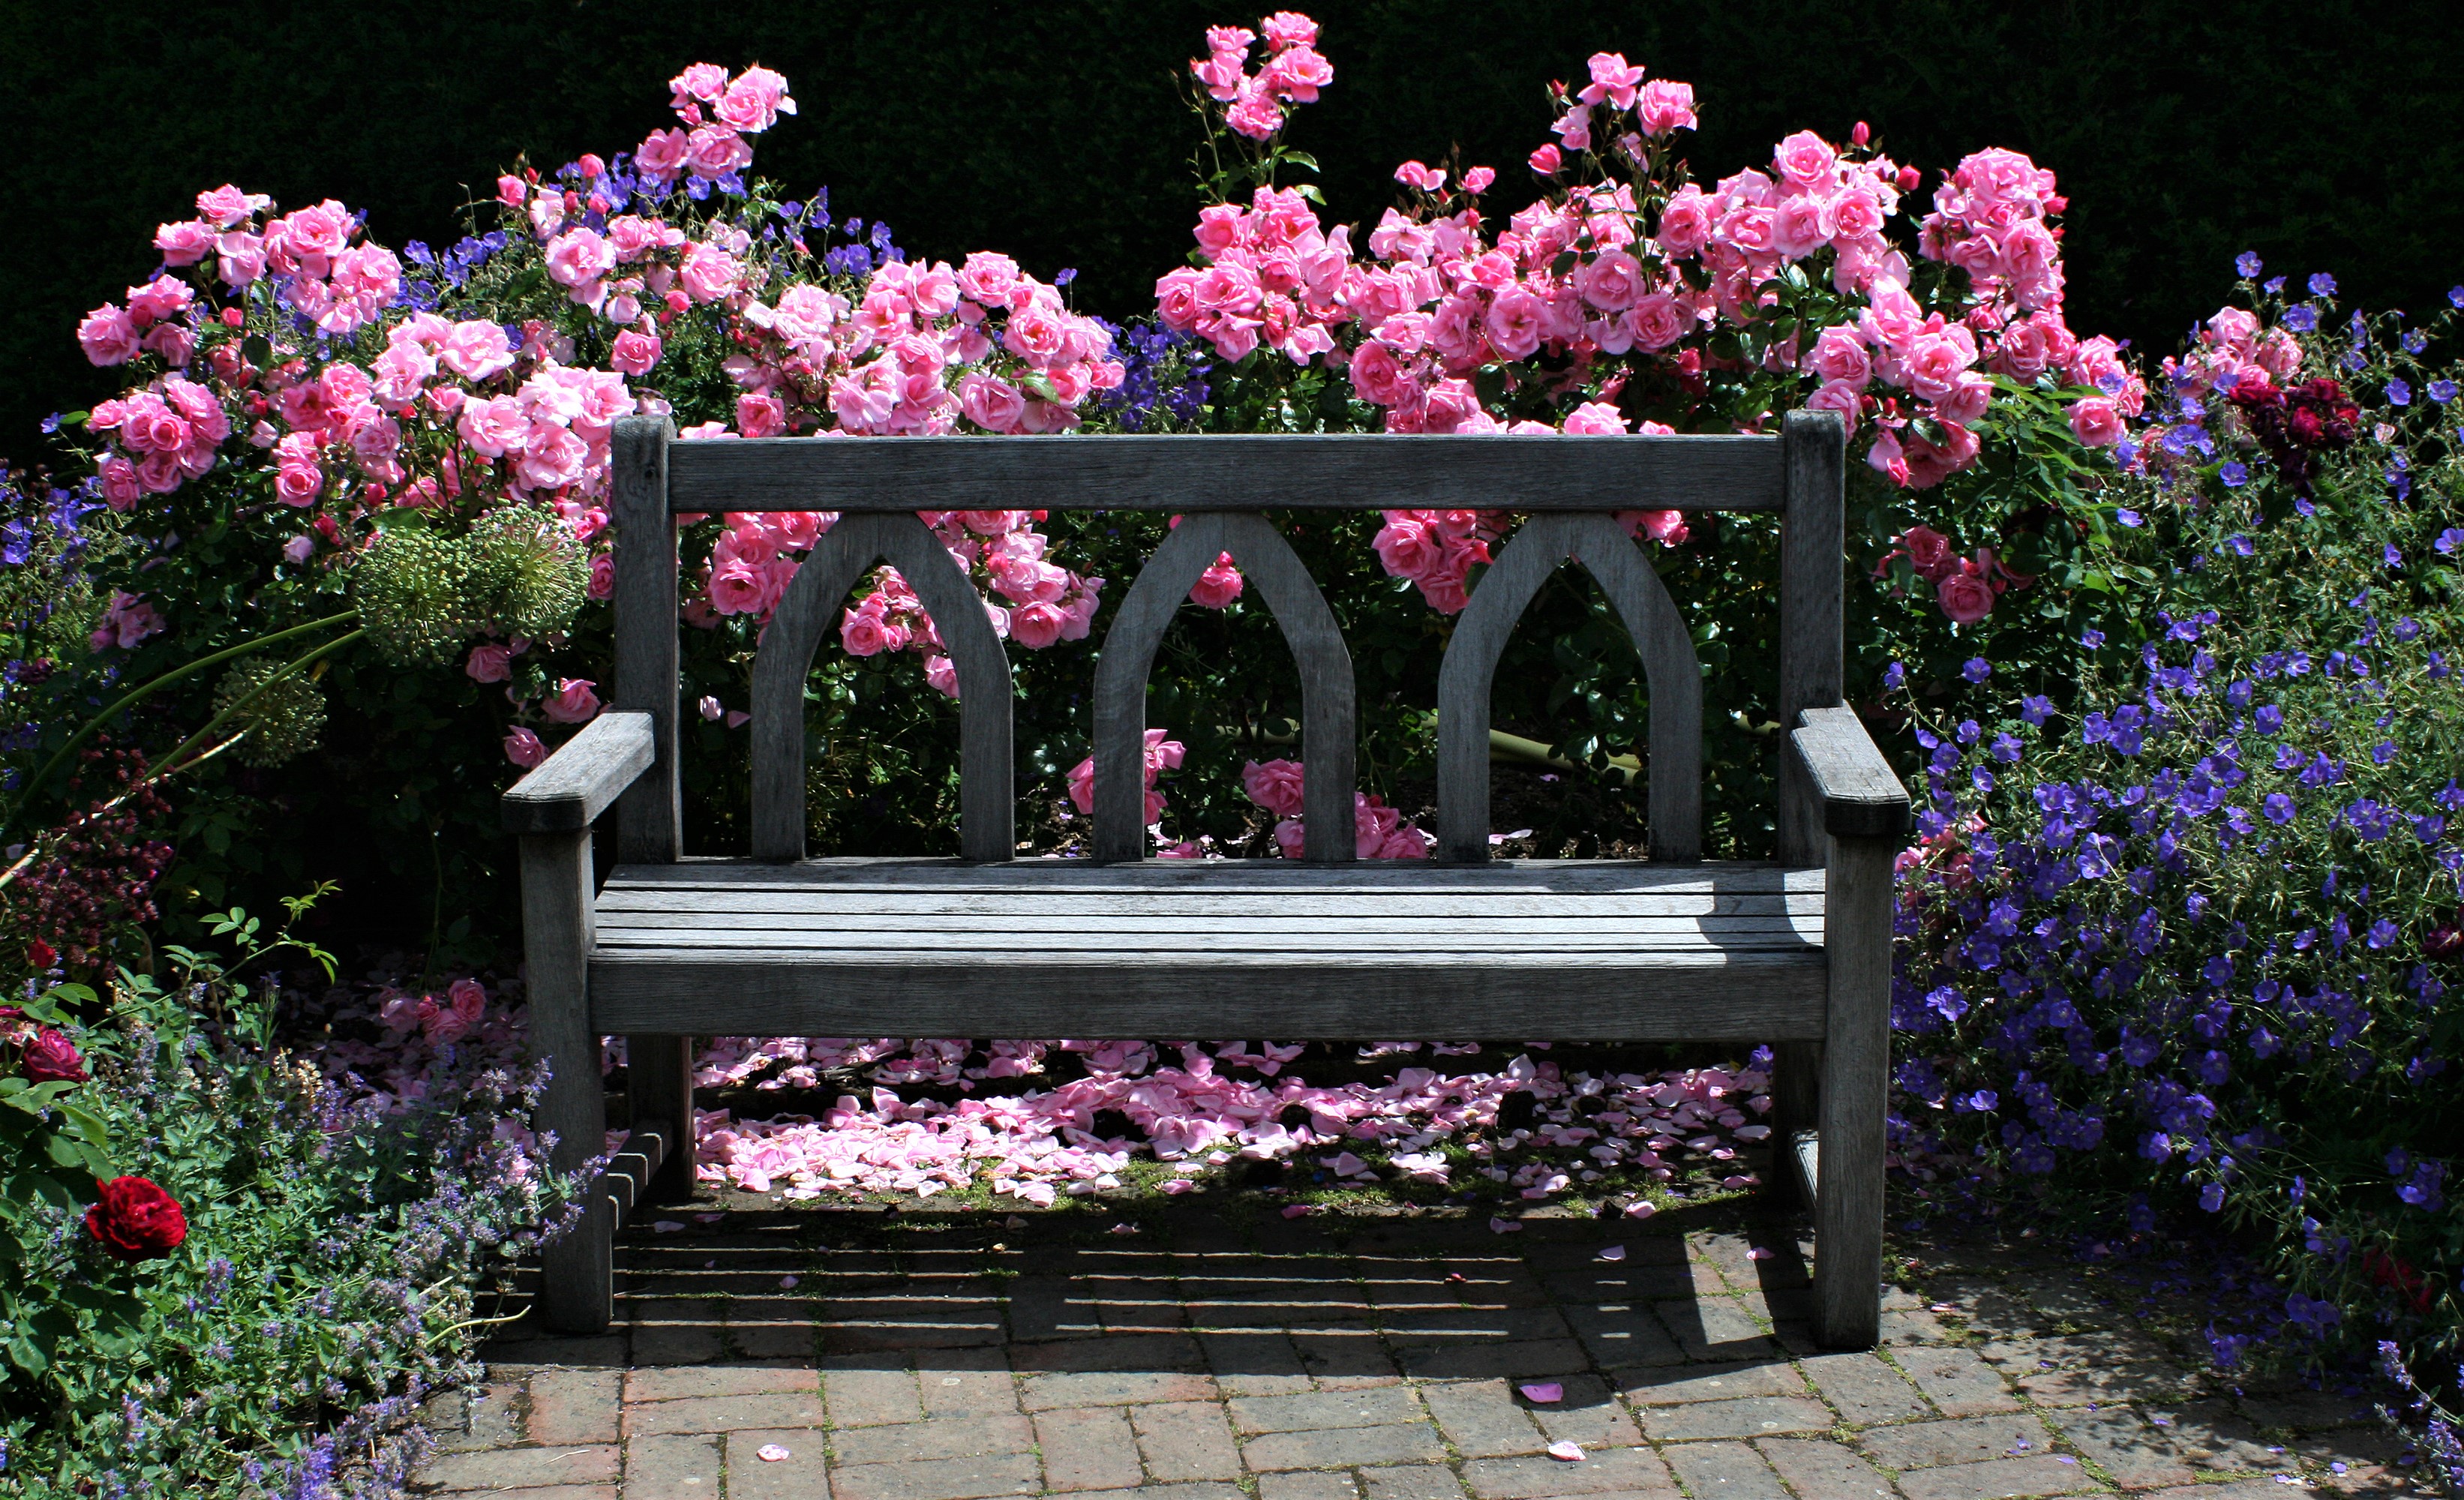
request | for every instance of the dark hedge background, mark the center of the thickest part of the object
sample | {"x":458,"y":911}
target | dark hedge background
{"x":2321,"y":134}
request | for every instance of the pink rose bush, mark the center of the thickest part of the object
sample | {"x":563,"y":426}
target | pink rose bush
{"x":1630,"y":297}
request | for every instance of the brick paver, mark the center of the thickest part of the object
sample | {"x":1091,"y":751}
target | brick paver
{"x":1378,"y":1358}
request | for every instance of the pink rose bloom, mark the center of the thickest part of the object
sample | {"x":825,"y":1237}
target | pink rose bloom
{"x":1856,"y":215}
{"x":1377,"y":375}
{"x":603,"y":576}
{"x":1686,"y":223}
{"x":942,"y":673}
{"x":1799,"y":227}
{"x":2278,"y":354}
{"x":760,"y":416}
{"x":1219,"y":586}
{"x":239,"y":258}
{"x":579,"y":259}
{"x":1595,"y":418}
{"x":1254,"y":112}
{"x":1839,"y":354}
{"x":634,"y":352}
{"x":714,"y":151}
{"x":1420,"y":175}
{"x":1806,"y":161}
{"x":1660,"y":321}
{"x":299,"y":484}
{"x":1404,"y":843}
{"x":1667,"y":527}
{"x":1937,"y":360}
{"x":1613,"y":281}
{"x":523,"y":748}
{"x":1965,"y":597}
{"x":2096,"y":422}
{"x":573,"y":702}
{"x":490,"y":662}
{"x":512,"y":192}
{"x":184,"y":244}
{"x":2023,"y":353}
{"x":990,"y":402}
{"x":552,"y":457}
{"x":1513,"y":322}
{"x":1614,"y":80}
{"x":738,"y":587}
{"x":108,"y":336}
{"x":1406,"y":547}
{"x":1288,"y":29}
{"x":1275,"y":785}
{"x":120,"y":486}
{"x":1931,"y":463}
{"x":1929,"y":553}
{"x":754,"y":103}
{"x":478,"y":349}
{"x":494,"y":426}
{"x":1545,"y":161}
{"x":708,"y":273}
{"x":226,"y":205}
{"x":1037,"y":625}
{"x":661,"y":154}
{"x":863,"y":632}
{"x":1841,"y":396}
{"x":1966,"y":401}
{"x":1664,"y":106}
{"x":1291,"y":840}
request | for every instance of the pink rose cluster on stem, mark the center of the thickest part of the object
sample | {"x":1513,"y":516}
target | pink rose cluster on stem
{"x":1161,"y":755}
{"x":1378,"y":831}
{"x":127,"y":623}
{"x":1964,"y":586}
{"x":1254,"y":104}
{"x":2232,"y":350}
{"x":922,"y":350}
{"x":717,"y":113}
{"x":160,"y":438}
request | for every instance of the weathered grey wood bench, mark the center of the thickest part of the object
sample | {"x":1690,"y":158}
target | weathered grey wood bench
{"x":1795,"y":953}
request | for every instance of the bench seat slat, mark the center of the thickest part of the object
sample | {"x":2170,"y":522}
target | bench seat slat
{"x":1736,"y":998}
{"x":1577,"y":950}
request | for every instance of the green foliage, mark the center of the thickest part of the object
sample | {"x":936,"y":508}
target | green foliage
{"x":280,"y":712}
{"x":336,"y":1255}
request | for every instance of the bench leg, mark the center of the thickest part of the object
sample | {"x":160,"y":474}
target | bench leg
{"x":578,"y":1282}
{"x":658,"y":1088}
{"x":1855,"y":1072}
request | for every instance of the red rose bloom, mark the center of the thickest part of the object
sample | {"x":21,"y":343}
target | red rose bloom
{"x":137,"y":1220}
{"x":52,"y":1057}
{"x":41,"y":955}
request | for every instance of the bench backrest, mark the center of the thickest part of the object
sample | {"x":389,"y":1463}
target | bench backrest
{"x":1569,"y":485}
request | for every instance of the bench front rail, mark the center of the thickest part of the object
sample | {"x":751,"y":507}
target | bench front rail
{"x":1795,"y":952}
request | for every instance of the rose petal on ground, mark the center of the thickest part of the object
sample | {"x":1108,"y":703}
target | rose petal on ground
{"x":1615,"y":1252}
{"x":708,"y":1217}
{"x":1178,"y":1185}
{"x":1566,"y":1452}
{"x":1543,"y":1392}
{"x":770,"y":1453}
{"x":786,"y":1283}
{"x":1640,"y":1210}
{"x":1298,"y":1210}
{"x":1503,"y":1227}
{"x":665,"y":1227}
{"x":1125,"y":1228}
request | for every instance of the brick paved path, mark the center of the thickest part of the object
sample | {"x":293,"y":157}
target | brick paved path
{"x":949,"y":1358}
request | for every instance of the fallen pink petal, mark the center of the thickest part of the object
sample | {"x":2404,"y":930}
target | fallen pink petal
{"x":771,"y":1453}
{"x":1565,"y":1452}
{"x":1543,"y":1393}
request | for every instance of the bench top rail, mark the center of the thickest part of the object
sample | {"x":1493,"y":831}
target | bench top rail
{"x":1342,"y":471}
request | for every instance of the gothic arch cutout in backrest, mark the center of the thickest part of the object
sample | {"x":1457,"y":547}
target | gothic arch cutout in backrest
{"x":844,"y":553}
{"x":1670,"y":667}
{"x":1308,"y":626}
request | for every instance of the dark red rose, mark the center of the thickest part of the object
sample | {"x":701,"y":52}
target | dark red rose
{"x":137,"y":1220}
{"x":2443,"y":942}
{"x":51,"y":1057}
{"x":41,"y":955}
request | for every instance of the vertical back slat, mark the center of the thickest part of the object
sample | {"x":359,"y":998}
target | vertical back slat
{"x":1328,"y":710}
{"x":1813,"y":550}
{"x":987,"y":791}
{"x":650,"y":819}
{"x":1670,"y":667}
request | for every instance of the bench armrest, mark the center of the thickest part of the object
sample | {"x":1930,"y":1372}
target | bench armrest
{"x":572,"y":787}
{"x":1861,"y":796}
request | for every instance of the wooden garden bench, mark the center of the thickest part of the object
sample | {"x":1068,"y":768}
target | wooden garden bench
{"x":1794,"y":953}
